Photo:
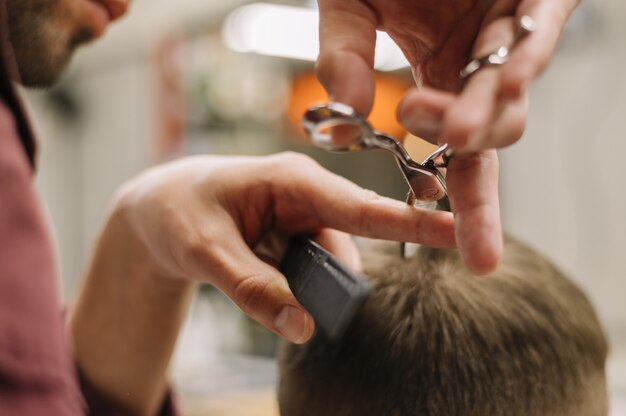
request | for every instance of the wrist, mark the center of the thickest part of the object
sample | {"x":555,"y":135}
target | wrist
{"x":126,"y":320}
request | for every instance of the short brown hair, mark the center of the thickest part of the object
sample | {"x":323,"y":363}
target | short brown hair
{"x":435,"y":340}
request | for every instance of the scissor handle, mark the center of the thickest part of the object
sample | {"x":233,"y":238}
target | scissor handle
{"x":425,"y":179}
{"x":329,"y":127}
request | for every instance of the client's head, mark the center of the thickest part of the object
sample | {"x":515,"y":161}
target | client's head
{"x":434,"y":340}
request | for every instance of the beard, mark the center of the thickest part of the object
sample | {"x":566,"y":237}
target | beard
{"x":44,"y":35}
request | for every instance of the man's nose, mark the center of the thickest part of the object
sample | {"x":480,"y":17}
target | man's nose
{"x":117,"y":8}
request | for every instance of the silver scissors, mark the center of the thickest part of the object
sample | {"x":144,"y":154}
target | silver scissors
{"x":338,"y":127}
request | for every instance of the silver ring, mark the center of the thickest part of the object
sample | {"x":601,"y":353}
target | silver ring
{"x":526,"y":25}
{"x":496,"y":58}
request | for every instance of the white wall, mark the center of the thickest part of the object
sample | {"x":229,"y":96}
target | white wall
{"x":564,"y":185}
{"x":81,"y":165}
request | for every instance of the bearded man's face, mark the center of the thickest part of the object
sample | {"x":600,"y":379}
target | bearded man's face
{"x":45,"y":33}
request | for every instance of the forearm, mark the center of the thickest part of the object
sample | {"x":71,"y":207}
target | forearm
{"x":126,"y":320}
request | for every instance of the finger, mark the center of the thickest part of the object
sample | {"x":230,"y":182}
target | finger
{"x":308,"y":198}
{"x":508,"y":126}
{"x":467,"y":120}
{"x":473,"y":189}
{"x":257,"y":288}
{"x":421,"y":112}
{"x":346,"y":60}
{"x":341,"y":245}
{"x":368,"y":214}
{"x":532,"y":53}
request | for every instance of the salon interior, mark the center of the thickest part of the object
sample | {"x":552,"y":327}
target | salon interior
{"x":188,"y":77}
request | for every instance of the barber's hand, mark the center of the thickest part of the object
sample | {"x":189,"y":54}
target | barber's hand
{"x":200,"y":219}
{"x":439,"y":38}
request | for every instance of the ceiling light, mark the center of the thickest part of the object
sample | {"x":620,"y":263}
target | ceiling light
{"x":292,"y":32}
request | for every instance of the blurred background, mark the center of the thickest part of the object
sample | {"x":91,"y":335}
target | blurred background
{"x":205,"y":77}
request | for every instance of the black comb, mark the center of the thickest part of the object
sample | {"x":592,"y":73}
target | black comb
{"x":329,"y":291}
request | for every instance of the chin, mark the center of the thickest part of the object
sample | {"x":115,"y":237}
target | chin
{"x":42,"y":75}
{"x":43,"y":47}
{"x":39,"y":82}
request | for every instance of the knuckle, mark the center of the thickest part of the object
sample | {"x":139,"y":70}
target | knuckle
{"x":370,"y":197}
{"x":364,"y":218}
{"x":293,"y":169}
{"x":250,"y":293}
{"x":195,"y":256}
{"x":196,"y":252}
{"x":295,"y":159}
{"x":129,"y":198}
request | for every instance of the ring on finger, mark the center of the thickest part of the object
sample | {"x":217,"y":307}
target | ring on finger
{"x":495,"y":58}
{"x":526,"y":25}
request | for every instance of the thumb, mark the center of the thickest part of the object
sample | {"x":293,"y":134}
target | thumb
{"x":260,"y":291}
{"x":346,"y":60}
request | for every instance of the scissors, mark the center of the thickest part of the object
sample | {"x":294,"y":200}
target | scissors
{"x":338,"y":127}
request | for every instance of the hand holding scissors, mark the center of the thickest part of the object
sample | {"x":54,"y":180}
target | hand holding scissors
{"x":338,"y":127}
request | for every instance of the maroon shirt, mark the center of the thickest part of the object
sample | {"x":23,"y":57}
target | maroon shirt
{"x":37,"y":374}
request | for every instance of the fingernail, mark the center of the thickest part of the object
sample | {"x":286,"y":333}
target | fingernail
{"x":291,"y":322}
